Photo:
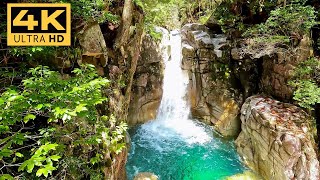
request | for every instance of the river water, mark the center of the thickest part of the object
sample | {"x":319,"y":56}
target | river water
{"x":175,"y":147}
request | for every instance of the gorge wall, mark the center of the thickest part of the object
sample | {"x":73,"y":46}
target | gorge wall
{"x":148,"y":78}
{"x":277,"y":140}
{"x":213,"y":90}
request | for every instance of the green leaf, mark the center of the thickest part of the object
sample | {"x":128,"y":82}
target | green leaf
{"x":4,"y":128}
{"x":55,"y":157}
{"x":48,"y":147}
{"x":5,"y":153}
{"x":39,"y":106}
{"x":28,"y":117}
{"x":18,"y":139}
{"x":6,"y":177}
{"x":23,"y":166}
{"x":19,"y":154}
{"x":30,"y":166}
{"x":81,"y":107}
{"x":1,"y":101}
{"x":42,"y":171}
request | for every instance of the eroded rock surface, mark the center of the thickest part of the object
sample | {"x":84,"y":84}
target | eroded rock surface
{"x":147,"y":85}
{"x":214,"y":95}
{"x":277,"y":140}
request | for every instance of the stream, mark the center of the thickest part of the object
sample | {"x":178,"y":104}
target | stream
{"x":173,"y":146}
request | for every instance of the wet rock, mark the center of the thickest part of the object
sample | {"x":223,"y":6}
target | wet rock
{"x":146,"y":176}
{"x":277,"y":140}
{"x":213,"y":94}
{"x":147,"y":85}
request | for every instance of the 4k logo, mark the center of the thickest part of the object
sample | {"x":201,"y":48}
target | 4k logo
{"x":39,"y":24}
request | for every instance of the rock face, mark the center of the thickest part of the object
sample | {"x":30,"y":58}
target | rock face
{"x":278,"y":70}
{"x":94,"y":46}
{"x":277,"y":140}
{"x":213,"y":91}
{"x":147,"y":85}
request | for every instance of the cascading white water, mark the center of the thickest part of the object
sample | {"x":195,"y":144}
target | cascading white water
{"x":173,"y":105}
{"x":174,"y":109}
{"x":173,"y":146}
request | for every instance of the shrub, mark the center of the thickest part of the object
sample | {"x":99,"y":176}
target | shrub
{"x":50,"y":126}
{"x":283,"y":29}
{"x":306,"y":81}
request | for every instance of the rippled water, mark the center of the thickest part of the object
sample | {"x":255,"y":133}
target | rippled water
{"x":174,"y":146}
{"x":170,"y":156}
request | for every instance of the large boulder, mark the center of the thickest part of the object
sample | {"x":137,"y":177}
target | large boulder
{"x":147,"y":86}
{"x":277,"y":140}
{"x":214,"y":96}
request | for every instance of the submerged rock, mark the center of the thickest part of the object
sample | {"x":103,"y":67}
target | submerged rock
{"x":277,"y":140}
{"x":146,"y":176}
{"x":247,"y":175}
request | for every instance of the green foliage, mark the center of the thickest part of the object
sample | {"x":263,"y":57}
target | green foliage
{"x":284,"y":29}
{"x":88,"y":10}
{"x":306,"y":81}
{"x":50,"y":116}
{"x":197,"y":10}
{"x":221,"y":71}
{"x":307,"y":93}
{"x":231,"y":14}
{"x":157,"y":13}
{"x":41,"y":156}
{"x":284,"y":23}
{"x":153,"y":33}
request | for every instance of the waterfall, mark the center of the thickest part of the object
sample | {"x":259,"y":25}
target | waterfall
{"x":172,"y":118}
{"x":173,"y":146}
{"x":173,"y":106}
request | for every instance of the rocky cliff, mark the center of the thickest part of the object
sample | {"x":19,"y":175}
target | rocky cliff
{"x":277,"y":140}
{"x":147,"y":84}
{"x":213,"y":90}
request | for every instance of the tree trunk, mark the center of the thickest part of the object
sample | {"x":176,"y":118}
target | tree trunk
{"x":123,"y":34}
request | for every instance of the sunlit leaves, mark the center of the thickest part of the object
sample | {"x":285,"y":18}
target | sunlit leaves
{"x":307,"y":93}
{"x":47,"y":97}
{"x":306,"y":83}
{"x":40,"y":157}
{"x":6,"y":177}
{"x":29,"y":117}
{"x":5,"y":153}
